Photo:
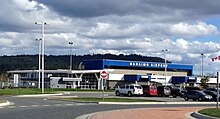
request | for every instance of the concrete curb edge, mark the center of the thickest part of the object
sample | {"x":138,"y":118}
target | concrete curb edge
{"x":5,"y":104}
{"x":142,"y":103}
{"x":39,"y":95}
{"x":205,"y":115}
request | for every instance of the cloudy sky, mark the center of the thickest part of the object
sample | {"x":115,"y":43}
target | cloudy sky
{"x":186,"y":28}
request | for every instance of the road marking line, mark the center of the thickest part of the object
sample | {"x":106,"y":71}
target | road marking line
{"x":69,"y":104}
{"x":23,"y":106}
{"x":57,"y":104}
{"x":46,"y":105}
{"x":11,"y":106}
{"x":80,"y":104}
{"x":35,"y":105}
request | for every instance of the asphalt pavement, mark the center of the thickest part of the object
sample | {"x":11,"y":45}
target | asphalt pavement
{"x":41,"y":107}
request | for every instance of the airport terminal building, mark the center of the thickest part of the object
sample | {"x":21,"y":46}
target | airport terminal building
{"x":119,"y":72}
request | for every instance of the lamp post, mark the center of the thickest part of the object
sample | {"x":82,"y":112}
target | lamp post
{"x":42,"y":23}
{"x":202,"y":64}
{"x":39,"y":60}
{"x":165,"y":61}
{"x":71,"y":56}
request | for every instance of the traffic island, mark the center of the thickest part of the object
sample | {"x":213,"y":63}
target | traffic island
{"x":4,"y":103}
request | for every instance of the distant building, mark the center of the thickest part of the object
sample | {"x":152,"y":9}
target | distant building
{"x":119,"y":72}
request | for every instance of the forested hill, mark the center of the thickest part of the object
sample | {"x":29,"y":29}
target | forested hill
{"x":22,"y":62}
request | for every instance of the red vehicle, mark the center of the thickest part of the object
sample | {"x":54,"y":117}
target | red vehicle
{"x":150,"y":90}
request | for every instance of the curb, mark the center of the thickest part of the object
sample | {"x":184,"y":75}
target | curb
{"x":86,"y":116}
{"x":39,"y":95}
{"x":5,"y":104}
{"x":188,"y":115}
{"x":205,"y":116}
{"x":142,"y":103}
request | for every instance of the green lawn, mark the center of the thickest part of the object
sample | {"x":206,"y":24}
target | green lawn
{"x":26,"y":91}
{"x":215,"y":112}
{"x":21,"y":91}
{"x":91,"y":99}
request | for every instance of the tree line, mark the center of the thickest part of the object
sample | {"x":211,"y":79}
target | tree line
{"x":53,"y":62}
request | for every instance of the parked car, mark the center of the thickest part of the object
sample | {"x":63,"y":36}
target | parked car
{"x":175,"y":92}
{"x":130,"y":90}
{"x":149,"y":90}
{"x":192,"y":88}
{"x":212,"y":89}
{"x":196,"y":95}
{"x":212,"y":93}
{"x":164,"y":91}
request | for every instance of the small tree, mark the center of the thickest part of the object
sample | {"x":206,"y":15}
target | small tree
{"x":204,"y":81}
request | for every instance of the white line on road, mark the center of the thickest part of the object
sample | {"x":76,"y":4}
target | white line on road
{"x":23,"y":106}
{"x":57,"y":104}
{"x":68,"y":104}
{"x":11,"y":106}
{"x":35,"y":105}
{"x":46,"y":105}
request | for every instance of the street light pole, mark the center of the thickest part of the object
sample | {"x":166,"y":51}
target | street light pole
{"x":42,"y":31}
{"x":71,"y":56}
{"x":165,"y":61}
{"x":202,"y":63}
{"x":39,"y":60}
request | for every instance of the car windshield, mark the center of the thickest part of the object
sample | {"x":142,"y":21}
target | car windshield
{"x":138,"y":87}
{"x":202,"y":93}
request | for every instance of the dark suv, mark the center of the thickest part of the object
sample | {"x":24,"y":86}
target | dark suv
{"x":212,"y":93}
{"x":164,"y":91}
{"x":196,"y":95}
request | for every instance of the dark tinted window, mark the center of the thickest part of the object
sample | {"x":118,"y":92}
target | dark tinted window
{"x":131,"y":87}
{"x":127,"y":87}
{"x":122,"y":87}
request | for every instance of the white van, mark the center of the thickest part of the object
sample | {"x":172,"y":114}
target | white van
{"x":131,"y":89}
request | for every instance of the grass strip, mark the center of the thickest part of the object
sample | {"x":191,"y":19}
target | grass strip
{"x":214,"y":112}
{"x":92,"y":99}
{"x":22,"y":91}
{"x":26,"y":91}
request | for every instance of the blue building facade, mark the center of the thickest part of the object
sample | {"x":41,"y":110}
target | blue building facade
{"x":123,"y":64}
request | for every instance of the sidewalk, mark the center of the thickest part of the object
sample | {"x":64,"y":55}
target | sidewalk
{"x":148,"y":113}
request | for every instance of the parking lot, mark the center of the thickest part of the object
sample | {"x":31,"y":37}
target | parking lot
{"x":112,"y":95}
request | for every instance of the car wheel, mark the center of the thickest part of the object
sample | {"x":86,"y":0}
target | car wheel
{"x":174,"y":95}
{"x":117,"y":93}
{"x":186,"y":98}
{"x":200,"y":99}
{"x":129,"y":94}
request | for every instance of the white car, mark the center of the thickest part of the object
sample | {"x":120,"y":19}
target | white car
{"x":131,"y":89}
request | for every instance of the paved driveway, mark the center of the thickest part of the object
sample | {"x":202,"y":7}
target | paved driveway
{"x":148,"y":113}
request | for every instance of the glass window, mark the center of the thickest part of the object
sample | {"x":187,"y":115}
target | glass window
{"x":127,"y":87}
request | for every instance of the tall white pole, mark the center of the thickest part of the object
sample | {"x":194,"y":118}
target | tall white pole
{"x":165,"y":68}
{"x":218,"y":76}
{"x":42,"y":23}
{"x":202,"y":63}
{"x":39,"y":61}
{"x":39,"y":64}
{"x":165,"y":62}
{"x":71,"y":56}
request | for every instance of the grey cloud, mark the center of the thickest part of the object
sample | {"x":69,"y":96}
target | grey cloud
{"x":95,"y":8}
